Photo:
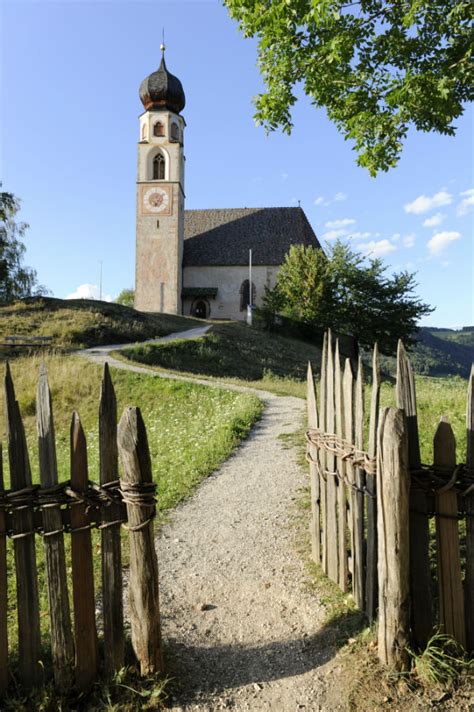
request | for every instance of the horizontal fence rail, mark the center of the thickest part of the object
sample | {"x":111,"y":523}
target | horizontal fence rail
{"x":361,"y":479}
{"x":54,"y":510}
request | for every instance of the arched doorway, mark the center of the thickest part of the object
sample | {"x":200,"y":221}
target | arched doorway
{"x":200,"y":309}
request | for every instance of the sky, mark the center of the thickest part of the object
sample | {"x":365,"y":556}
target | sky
{"x":70,"y":73}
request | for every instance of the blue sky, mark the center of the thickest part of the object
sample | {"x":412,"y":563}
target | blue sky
{"x":70,"y":78}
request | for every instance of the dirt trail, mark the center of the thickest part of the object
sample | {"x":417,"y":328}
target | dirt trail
{"x":241,"y":630}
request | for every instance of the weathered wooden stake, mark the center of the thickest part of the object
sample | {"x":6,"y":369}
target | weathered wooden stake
{"x":371,"y":566}
{"x":341,"y":468}
{"x":349,"y":436}
{"x":143,"y":586}
{"x":322,"y":455}
{"x":3,"y":591}
{"x":29,"y":641}
{"x":62,"y":644}
{"x":331,"y":515}
{"x":82,"y":570}
{"x":313,"y":470}
{"x":359,"y":559}
{"x":451,"y":596}
{"x":469,"y":500}
{"x":111,"y":546}
{"x":420,"y":574}
{"x":393,"y":535}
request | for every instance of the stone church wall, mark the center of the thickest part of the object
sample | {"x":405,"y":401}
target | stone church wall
{"x":228,"y":280}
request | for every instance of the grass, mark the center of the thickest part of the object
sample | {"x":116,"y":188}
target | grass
{"x":77,"y":323}
{"x":191,"y":430}
{"x":236,"y":354}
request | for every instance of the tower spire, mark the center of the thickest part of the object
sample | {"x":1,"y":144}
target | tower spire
{"x":162,"y":45}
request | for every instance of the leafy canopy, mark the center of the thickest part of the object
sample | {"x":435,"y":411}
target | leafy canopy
{"x":375,"y":66}
{"x":346,"y":292}
{"x":16,"y":280}
{"x":126,"y":297}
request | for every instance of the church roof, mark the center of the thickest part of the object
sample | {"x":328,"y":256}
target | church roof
{"x":162,"y":90}
{"x":225,"y":236}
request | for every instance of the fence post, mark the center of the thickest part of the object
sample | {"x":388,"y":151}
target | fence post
{"x":331,"y":514}
{"x":3,"y":590}
{"x":82,"y":571}
{"x":393,"y":535}
{"x":348,"y":380}
{"x":62,"y":644}
{"x":143,"y":585}
{"x":29,"y":640}
{"x":359,"y":563}
{"x":371,"y":569}
{"x":341,"y":468}
{"x":451,"y":598}
{"x":314,"y":475}
{"x":322,"y":455}
{"x":110,"y":535}
{"x":469,"y":579}
{"x":420,"y":574}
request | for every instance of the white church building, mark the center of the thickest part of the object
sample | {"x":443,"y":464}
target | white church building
{"x":196,"y":262}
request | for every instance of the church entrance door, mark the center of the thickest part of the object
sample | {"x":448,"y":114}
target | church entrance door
{"x":200,"y":309}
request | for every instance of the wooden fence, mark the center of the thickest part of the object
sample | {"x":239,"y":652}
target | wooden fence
{"x":55,"y":509}
{"x":378,"y":513}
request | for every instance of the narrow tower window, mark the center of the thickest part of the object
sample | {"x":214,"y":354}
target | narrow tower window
{"x":144,"y":132}
{"x":158,"y":129}
{"x":175,"y":132}
{"x":159,"y":167}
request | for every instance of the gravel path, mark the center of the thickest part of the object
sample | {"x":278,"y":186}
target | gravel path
{"x":241,"y":631}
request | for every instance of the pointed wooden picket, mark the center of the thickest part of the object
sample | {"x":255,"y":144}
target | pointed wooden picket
{"x":3,"y":590}
{"x":322,"y":454}
{"x":312,"y":409}
{"x":341,"y":467}
{"x":350,"y":471}
{"x":62,"y":644}
{"x":420,"y":575}
{"x":332,"y":540}
{"x":370,"y":481}
{"x":359,"y":559}
{"x":29,"y":641}
{"x":469,"y":505}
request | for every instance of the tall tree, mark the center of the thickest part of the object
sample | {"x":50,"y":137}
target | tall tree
{"x":376,"y":66}
{"x":16,"y":280}
{"x":349,"y":294}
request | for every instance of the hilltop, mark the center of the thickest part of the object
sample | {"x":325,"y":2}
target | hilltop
{"x":76,"y":323}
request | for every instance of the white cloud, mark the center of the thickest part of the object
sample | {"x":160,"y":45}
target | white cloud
{"x":337,"y":198}
{"x":441,"y":240}
{"x":467,"y":202}
{"x":360,"y":235}
{"x":424,"y":204}
{"x":409,"y":240}
{"x":88,"y":291}
{"x":334,"y":234}
{"x":434,"y":221}
{"x":340,"y":223}
{"x":395,"y":237}
{"x":377,"y":248}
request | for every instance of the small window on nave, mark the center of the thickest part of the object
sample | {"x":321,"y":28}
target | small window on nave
{"x":144,"y":132}
{"x":158,"y":129}
{"x":175,"y":132}
{"x":159,"y":167}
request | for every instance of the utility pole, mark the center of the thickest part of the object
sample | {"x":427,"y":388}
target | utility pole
{"x":100,"y":282}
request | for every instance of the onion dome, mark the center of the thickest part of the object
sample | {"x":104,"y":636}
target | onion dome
{"x":162,"y":90}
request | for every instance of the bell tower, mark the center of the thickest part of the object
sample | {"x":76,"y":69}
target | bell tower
{"x":160,"y":194}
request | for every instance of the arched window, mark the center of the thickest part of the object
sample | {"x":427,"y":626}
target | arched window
{"x":175,"y":132}
{"x":245,"y":294}
{"x":159,"y":167}
{"x":158,"y":129}
{"x":144,"y":132}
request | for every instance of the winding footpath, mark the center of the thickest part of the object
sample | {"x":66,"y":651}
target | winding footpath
{"x":241,"y":629}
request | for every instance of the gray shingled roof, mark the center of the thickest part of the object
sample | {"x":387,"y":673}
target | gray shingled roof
{"x":224,"y":236}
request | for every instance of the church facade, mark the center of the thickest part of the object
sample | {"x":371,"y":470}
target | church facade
{"x":196,"y":262}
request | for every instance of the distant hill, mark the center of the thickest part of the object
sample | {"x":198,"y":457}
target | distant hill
{"x":440,"y":352}
{"x":75,"y":323}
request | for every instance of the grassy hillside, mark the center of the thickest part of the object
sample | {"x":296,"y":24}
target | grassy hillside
{"x":84,"y":322}
{"x":234,"y":352}
{"x":440,"y":352}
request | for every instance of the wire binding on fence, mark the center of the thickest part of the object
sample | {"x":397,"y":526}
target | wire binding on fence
{"x":95,"y":497}
{"x":342,"y":449}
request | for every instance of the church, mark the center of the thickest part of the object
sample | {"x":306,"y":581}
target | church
{"x":196,"y":262}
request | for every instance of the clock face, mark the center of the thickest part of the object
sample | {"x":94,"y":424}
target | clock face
{"x":155,"y":200}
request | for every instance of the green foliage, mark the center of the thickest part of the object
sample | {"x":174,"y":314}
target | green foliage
{"x":377,"y":67}
{"x":16,"y":280}
{"x":348,"y":294}
{"x":441,"y":663}
{"x":126,"y":297}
